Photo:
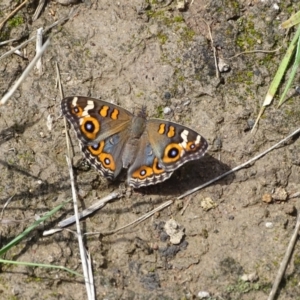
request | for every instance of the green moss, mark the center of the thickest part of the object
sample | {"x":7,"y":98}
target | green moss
{"x":88,"y":53}
{"x":178,"y":19}
{"x":159,"y":112}
{"x":15,"y":21}
{"x":188,"y":34}
{"x":242,"y":76}
{"x":26,"y":156}
{"x":248,"y":36}
{"x":162,"y":38}
{"x":297,"y":263}
{"x":155,"y":14}
{"x":242,"y":287}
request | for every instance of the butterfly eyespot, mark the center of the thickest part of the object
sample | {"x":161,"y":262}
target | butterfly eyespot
{"x":143,"y":172}
{"x":158,"y":166}
{"x":76,"y":110}
{"x":96,"y":149}
{"x":173,"y":152}
{"x":107,"y":160}
{"x":191,"y":146}
{"x":89,"y":126}
{"x":95,"y":146}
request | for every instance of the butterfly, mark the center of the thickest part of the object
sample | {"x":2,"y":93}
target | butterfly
{"x":112,"y":138}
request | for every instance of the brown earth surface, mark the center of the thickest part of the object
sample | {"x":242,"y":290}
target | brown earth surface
{"x":135,"y":53}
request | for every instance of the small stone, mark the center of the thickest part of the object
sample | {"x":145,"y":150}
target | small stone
{"x":223,"y":66}
{"x":167,"y":95}
{"x":269,"y":225}
{"x":203,"y":295}
{"x":250,"y":123}
{"x":175,"y":231}
{"x":49,"y":122}
{"x":218,"y":143}
{"x":280,"y":194}
{"x":267,"y":198}
{"x":250,"y":277}
{"x":181,"y":4}
{"x":167,"y":110}
{"x":187,"y":102}
{"x":207,"y":204}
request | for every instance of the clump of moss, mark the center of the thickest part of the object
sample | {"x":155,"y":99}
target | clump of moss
{"x":15,"y":21}
{"x":162,"y":38}
{"x":248,"y":36}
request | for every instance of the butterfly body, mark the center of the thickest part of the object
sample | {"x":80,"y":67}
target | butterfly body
{"x":112,"y":138}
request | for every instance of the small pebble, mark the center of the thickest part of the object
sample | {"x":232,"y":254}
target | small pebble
{"x":167,"y":110}
{"x":267,"y":198}
{"x":223,"y":66}
{"x":269,"y":225}
{"x":167,"y":95}
{"x":280,"y":194}
{"x":187,"y":102}
{"x":250,"y":123}
{"x":250,"y":277}
{"x":175,"y":231}
{"x":218,"y":143}
{"x":203,"y":295}
{"x":207,"y":204}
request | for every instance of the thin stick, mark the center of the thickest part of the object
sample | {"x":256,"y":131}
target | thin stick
{"x":89,"y":281}
{"x":285,"y":260}
{"x":142,"y":218}
{"x":39,"y":44}
{"x":5,"y":205}
{"x":7,"y":42}
{"x":88,"y":285}
{"x":72,"y":12}
{"x":25,"y":73}
{"x":214,"y":49}
{"x":240,"y":166}
{"x":12,"y":13}
{"x":89,"y":210}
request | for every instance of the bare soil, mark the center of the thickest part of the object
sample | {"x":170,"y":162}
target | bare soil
{"x":134,"y":53}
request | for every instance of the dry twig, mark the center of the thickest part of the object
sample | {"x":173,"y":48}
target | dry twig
{"x":285,"y":260}
{"x":12,"y":13}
